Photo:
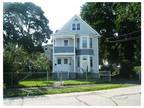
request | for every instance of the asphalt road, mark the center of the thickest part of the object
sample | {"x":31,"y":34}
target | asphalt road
{"x":129,"y":96}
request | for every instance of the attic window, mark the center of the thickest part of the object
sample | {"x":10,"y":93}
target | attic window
{"x":75,"y":19}
{"x":78,"y":26}
{"x":73,"y":27}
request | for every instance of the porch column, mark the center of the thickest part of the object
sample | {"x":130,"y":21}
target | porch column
{"x":53,"y":54}
{"x":74,"y":55}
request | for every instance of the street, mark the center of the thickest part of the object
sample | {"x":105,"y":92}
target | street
{"x":128,"y":96}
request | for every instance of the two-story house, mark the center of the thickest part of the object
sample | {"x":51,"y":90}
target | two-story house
{"x":75,"y":49}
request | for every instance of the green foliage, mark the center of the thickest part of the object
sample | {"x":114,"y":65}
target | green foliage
{"x":137,"y":69}
{"x":40,"y":63}
{"x":110,"y":19}
{"x":14,"y":58}
{"x":17,"y":61}
{"x":24,"y":24}
{"x":113,"y":68}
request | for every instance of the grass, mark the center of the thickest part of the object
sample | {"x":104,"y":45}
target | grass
{"x":35,"y":83}
{"x":78,"y":82}
{"x":40,"y":91}
{"x":42,"y":83}
{"x":68,"y":87}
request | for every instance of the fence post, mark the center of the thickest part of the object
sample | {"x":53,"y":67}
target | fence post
{"x":109,"y":76}
{"x":12,"y":79}
{"x":47,"y":75}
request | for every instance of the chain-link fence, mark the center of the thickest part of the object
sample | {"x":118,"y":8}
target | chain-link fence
{"x":11,"y":78}
{"x":105,"y":75}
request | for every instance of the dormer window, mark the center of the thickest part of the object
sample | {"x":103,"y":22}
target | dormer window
{"x":73,"y":27}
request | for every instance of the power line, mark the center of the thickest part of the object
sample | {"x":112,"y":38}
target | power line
{"x":123,"y":40}
{"x":124,"y":34}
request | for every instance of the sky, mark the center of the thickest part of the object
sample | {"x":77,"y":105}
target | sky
{"x":58,"y":12}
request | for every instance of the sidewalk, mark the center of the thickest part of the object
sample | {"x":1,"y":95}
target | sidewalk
{"x":114,"y":97}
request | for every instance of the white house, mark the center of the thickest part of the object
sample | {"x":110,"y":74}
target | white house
{"x":75,"y":49}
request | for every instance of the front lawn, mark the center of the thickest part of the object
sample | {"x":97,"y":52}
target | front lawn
{"x":43,"y":83}
{"x":39,"y":87}
{"x":42,"y":91}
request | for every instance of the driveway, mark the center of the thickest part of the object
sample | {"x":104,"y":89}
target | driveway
{"x":128,"y":96}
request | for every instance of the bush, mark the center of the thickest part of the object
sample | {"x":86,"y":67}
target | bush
{"x":137,"y":71}
{"x":126,"y":70}
{"x":112,"y":68}
{"x":17,"y":61}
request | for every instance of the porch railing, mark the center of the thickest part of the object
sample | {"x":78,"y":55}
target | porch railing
{"x":68,"y":49}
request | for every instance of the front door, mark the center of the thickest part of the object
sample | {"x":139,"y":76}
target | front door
{"x":84,"y":64}
{"x":66,"y":66}
{"x":63,"y":64}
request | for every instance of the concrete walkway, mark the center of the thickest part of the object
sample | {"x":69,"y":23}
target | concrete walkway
{"x":127,"y":96}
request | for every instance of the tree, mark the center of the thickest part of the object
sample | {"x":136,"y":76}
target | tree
{"x":15,"y":61}
{"x":25,"y":24}
{"x":119,"y":25}
{"x":101,"y":17}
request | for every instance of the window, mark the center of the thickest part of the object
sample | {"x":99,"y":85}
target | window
{"x":65,"y":42}
{"x":54,"y":42}
{"x":73,"y":27}
{"x":78,"y":62}
{"x":78,"y":40}
{"x":45,"y":48}
{"x":91,"y":62}
{"x":84,"y":43}
{"x":84,"y":58}
{"x":78,"y":26}
{"x":65,"y":61}
{"x":58,"y":61}
{"x":90,"y":42}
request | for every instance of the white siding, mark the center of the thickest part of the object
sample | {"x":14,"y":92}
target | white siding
{"x":95,"y":58}
{"x":60,"y":42}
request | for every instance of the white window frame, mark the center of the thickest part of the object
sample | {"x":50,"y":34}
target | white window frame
{"x":65,"y":59}
{"x":83,"y":42}
{"x":67,"y":42}
{"x":60,"y":60}
{"x":74,"y":27}
{"x":77,"y":26}
{"x":78,"y":44}
{"x":90,"y":42}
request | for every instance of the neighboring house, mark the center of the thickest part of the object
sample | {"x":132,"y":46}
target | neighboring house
{"x":75,"y":49}
{"x":48,"y":48}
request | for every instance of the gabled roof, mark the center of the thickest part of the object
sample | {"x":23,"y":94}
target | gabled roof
{"x":85,"y":29}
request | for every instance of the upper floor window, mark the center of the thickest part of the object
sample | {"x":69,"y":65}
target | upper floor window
{"x":84,"y":42}
{"x":78,"y":41}
{"x":65,"y":42}
{"x":90,"y":42}
{"x":78,"y":26}
{"x":73,"y":27}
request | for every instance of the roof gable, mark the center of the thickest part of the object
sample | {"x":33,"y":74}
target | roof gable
{"x":85,"y":29}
